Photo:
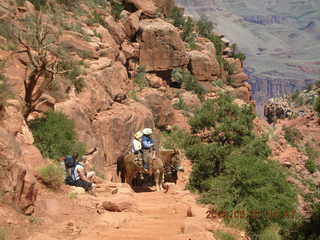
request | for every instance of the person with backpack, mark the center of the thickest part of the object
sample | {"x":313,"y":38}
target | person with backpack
{"x":137,"y":147}
{"x":76,"y":174}
{"x":147,"y":148}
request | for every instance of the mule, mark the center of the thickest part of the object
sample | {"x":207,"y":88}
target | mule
{"x":158,"y":163}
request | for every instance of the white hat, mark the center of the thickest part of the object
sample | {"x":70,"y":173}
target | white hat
{"x":138,"y":134}
{"x":147,"y":131}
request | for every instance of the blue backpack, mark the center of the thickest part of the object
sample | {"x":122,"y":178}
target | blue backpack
{"x":70,"y":162}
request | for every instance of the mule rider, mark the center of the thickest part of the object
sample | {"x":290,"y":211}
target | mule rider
{"x":137,"y":147}
{"x":148,"y":148}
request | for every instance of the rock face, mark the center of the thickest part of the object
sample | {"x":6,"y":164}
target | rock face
{"x":159,"y":105}
{"x":204,"y":64}
{"x":161,"y":47}
{"x":146,"y":6}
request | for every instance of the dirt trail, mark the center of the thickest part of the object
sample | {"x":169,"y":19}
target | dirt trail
{"x":154,"y":216}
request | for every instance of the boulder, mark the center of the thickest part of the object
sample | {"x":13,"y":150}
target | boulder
{"x":147,"y":7}
{"x":203,"y":66}
{"x":130,"y":50}
{"x":116,"y":29}
{"x":236,"y":65}
{"x":73,"y":42}
{"x":114,"y":80}
{"x":243,"y":93}
{"x":131,"y":24}
{"x":237,"y":80}
{"x":160,"y":106}
{"x":20,"y":188}
{"x":191,"y":99}
{"x":120,"y":203}
{"x":155,"y":81}
{"x":161,"y":47}
{"x":165,"y":5}
{"x":117,"y":126}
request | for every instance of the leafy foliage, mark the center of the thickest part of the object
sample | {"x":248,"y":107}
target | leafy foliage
{"x":52,"y":175}
{"x":231,"y":167}
{"x":181,"y":105}
{"x":317,"y":105}
{"x":220,"y":235}
{"x":117,"y":8}
{"x":55,"y":135}
{"x":271,"y":233}
{"x":292,"y":135}
{"x":73,"y":74}
{"x":312,"y":155}
{"x":140,"y":78}
{"x":188,"y":81}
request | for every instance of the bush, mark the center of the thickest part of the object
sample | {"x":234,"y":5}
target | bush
{"x":117,"y":8}
{"x":220,"y":235}
{"x":181,"y":105}
{"x":39,"y":4}
{"x":5,"y":91}
{"x":229,"y":122}
{"x":188,"y":34}
{"x":271,"y":233}
{"x":73,"y":72}
{"x":188,"y":81}
{"x":55,"y":135}
{"x":140,"y":78}
{"x":204,"y":27}
{"x":3,"y":233}
{"x":312,"y":157}
{"x":292,"y":135}
{"x":52,"y":175}
{"x":178,"y":138}
{"x":177,"y":16}
{"x":316,"y":105}
{"x":231,"y":167}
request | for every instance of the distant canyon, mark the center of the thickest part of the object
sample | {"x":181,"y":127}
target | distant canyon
{"x":281,"y":40}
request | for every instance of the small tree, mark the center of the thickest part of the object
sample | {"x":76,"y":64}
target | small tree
{"x":41,"y":67}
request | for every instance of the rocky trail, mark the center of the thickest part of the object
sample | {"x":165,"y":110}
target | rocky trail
{"x":147,"y":215}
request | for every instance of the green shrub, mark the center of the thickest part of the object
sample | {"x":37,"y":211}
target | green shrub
{"x":178,"y":138}
{"x":240,"y":56}
{"x":181,"y":105}
{"x":39,"y":4}
{"x":311,"y":165}
{"x":6,"y":30}
{"x":52,"y":175}
{"x":140,"y":78}
{"x":3,"y":233}
{"x":204,"y":27}
{"x":96,"y":18}
{"x":5,"y":92}
{"x":229,"y":123}
{"x":20,"y":2}
{"x":188,"y":34}
{"x":231,"y":167}
{"x":116,"y":9}
{"x":312,"y":154}
{"x":292,"y":135}
{"x":188,"y":81}
{"x":220,"y":235}
{"x":316,"y":105}
{"x":271,"y":233}
{"x":55,"y":135}
{"x":73,"y":74}
{"x":177,"y":16}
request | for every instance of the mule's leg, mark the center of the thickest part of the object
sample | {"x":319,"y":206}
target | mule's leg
{"x":157,"y":179}
{"x":161,"y":180}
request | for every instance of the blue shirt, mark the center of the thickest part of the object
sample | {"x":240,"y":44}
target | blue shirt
{"x":147,"y":142}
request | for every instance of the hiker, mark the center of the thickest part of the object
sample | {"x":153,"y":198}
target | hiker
{"x":148,"y":148}
{"x":76,"y":173}
{"x":137,"y":148}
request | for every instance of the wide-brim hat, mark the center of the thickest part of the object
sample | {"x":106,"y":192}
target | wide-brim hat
{"x":147,"y":131}
{"x":138,"y":134}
